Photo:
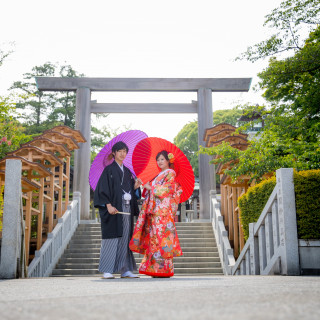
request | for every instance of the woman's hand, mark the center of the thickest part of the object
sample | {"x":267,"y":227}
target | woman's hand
{"x":111,"y":209}
{"x":137,"y":183}
{"x":147,"y":186}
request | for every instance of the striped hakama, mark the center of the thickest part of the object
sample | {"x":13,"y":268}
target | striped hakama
{"x":115,"y":255}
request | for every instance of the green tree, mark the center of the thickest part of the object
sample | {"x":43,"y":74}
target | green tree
{"x":290,"y":21}
{"x":281,"y":144}
{"x":11,"y":131}
{"x":291,"y":85}
{"x":187,"y":141}
{"x":187,"y":138}
{"x":36,"y":104}
{"x":3,"y":55}
{"x":64,"y":109}
{"x":229,"y":116}
{"x":43,"y":110}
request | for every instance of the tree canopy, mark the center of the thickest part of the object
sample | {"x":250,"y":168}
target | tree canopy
{"x":45,"y":109}
{"x":291,"y":134}
{"x":279,"y":145}
{"x":187,"y":138}
{"x":292,"y":84}
{"x":3,"y":55}
{"x":11,"y":132}
{"x":291,"y":20}
{"x":41,"y":111}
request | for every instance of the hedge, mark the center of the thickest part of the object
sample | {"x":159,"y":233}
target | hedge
{"x":252,"y":203}
{"x":307,"y":193}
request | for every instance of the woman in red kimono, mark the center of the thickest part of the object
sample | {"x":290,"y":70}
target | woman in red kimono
{"x":155,"y":234}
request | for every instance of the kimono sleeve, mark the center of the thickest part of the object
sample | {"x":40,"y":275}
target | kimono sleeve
{"x":103,"y":191}
{"x":167,"y":188}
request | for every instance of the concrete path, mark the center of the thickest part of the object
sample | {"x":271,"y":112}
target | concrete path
{"x":181,"y":297}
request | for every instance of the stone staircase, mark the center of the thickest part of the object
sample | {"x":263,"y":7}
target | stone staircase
{"x":200,"y":253}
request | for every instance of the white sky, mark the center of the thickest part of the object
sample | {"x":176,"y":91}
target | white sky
{"x":138,"y":38}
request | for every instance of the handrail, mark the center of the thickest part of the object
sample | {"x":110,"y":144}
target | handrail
{"x":47,"y":257}
{"x":224,"y":248}
{"x":22,"y":266}
{"x":243,"y":257}
{"x":272,"y":246}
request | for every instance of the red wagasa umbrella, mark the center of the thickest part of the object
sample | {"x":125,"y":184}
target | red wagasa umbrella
{"x":146,"y":168}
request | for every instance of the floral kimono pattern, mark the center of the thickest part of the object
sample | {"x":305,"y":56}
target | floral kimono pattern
{"x":155,"y":234}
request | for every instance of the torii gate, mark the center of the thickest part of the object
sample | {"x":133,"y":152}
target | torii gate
{"x":84,"y":107}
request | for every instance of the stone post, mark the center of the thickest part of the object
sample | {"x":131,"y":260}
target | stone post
{"x":206,"y":170}
{"x":11,"y":232}
{"x":183,"y":213}
{"x":195,"y":208}
{"x":254,"y":251}
{"x":288,"y":234}
{"x":82,"y":156}
{"x":77,"y":196}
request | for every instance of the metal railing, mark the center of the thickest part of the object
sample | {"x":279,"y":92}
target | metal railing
{"x":47,"y":257}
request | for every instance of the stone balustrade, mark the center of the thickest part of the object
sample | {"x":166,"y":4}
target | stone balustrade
{"x":272,"y":246}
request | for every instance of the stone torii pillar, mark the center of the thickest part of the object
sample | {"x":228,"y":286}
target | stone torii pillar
{"x":207,"y":176}
{"x":84,"y":86}
{"x":82,"y":155}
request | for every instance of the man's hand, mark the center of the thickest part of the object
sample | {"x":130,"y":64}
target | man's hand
{"x":111,"y":209}
{"x":137,"y":183}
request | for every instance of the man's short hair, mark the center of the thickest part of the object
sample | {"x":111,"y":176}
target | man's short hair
{"x":119,"y":146}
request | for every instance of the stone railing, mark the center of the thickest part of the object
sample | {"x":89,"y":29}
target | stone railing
{"x":221,"y":235}
{"x":272,"y":246}
{"x":47,"y":257}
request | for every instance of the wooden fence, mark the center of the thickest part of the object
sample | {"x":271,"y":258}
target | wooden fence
{"x":45,"y":182}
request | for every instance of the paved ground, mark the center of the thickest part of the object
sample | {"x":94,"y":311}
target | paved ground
{"x":181,"y":297}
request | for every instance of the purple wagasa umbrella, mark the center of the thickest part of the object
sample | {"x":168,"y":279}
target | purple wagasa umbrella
{"x":130,"y":138}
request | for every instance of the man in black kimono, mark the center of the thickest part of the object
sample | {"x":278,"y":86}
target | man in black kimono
{"x":115,"y":192}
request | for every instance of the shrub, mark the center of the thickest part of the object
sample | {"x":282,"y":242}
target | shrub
{"x":307,"y":194}
{"x":252,"y":203}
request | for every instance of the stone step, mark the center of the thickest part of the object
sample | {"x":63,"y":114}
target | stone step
{"x":182,"y":240}
{"x":200,"y":254}
{"x":86,"y":232}
{"x":85,"y":236}
{"x":138,"y":259}
{"x":80,"y":249}
{"x":96,"y":254}
{"x":177,"y":264}
{"x":177,"y":224}
{"x":82,"y":272}
{"x":181,"y":230}
{"x":184,"y":245}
